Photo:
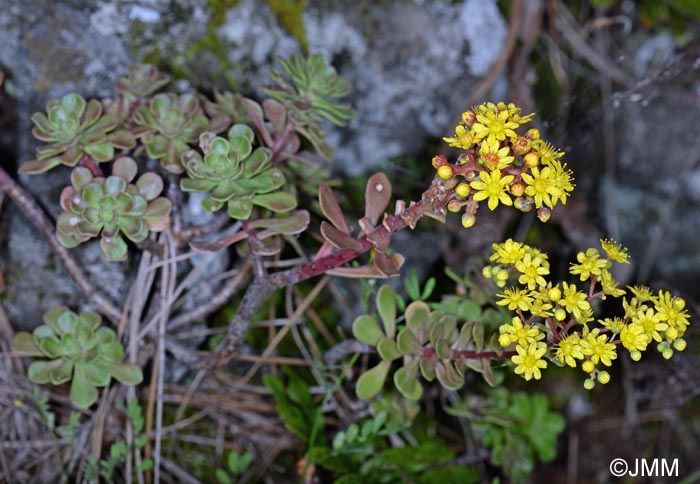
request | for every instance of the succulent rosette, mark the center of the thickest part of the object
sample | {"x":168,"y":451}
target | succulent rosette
{"x":169,"y":123}
{"x":111,"y":207}
{"x":74,"y":128}
{"x":236,"y":175}
{"x":77,"y":350}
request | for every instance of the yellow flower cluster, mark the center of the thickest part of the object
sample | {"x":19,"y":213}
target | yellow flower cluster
{"x":555,"y":321}
{"x":500,"y":166}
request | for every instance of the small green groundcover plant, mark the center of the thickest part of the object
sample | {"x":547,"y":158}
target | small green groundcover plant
{"x":256,"y":169}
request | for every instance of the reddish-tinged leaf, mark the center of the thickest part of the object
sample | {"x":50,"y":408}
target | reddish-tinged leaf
{"x":66,"y":196}
{"x":276,"y":113}
{"x":377,"y":197}
{"x":217,"y":245}
{"x":124,"y":167}
{"x":331,"y":209}
{"x":385,"y":265}
{"x":293,"y":224}
{"x":34,"y":167}
{"x":356,"y":272}
{"x":380,"y":239}
{"x":339,"y":239}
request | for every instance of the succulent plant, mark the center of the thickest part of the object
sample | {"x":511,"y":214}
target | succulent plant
{"x":112,"y":206}
{"x":169,"y":123}
{"x":307,"y":88}
{"x":77,"y":350}
{"x":430,"y":344}
{"x":236,"y":174}
{"x":75,"y":128}
{"x":142,"y":81}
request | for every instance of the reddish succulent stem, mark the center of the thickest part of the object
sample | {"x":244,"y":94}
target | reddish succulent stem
{"x":433,"y":199}
{"x":89,"y":162}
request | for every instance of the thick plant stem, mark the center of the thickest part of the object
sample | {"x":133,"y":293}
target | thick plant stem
{"x":432,"y":200}
{"x":39,"y":219}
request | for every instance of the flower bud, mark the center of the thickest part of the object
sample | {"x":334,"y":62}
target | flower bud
{"x":487,"y":272}
{"x":517,"y":189}
{"x":588,"y":366}
{"x":560,"y":314}
{"x":500,"y":283}
{"x":589,"y":384}
{"x":636,"y":355}
{"x":505,"y":340}
{"x":462,"y":190}
{"x":438,"y":161}
{"x":470,"y":175}
{"x":502,"y":276}
{"x":667,"y":353}
{"x":468,"y":220}
{"x":533,"y":133}
{"x":445,"y":171}
{"x":522,"y":204}
{"x":603,"y":377}
{"x":679,"y":344}
{"x":532,"y":159}
{"x":543,"y":213}
{"x":454,"y":206}
{"x":521,"y":145}
{"x":554,"y":294}
{"x":671,"y":333}
{"x":468,"y":118}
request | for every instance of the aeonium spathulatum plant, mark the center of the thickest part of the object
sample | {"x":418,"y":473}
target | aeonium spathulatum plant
{"x":111,"y":207}
{"x":236,"y":175}
{"x":552,"y":323}
{"x":76,"y":349}
{"x":73,"y":129}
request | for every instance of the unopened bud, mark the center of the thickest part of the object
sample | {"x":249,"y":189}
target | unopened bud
{"x":671,"y":333}
{"x":438,"y":161}
{"x":470,"y":175}
{"x":517,"y":189}
{"x":560,"y":314}
{"x":679,"y":344}
{"x":636,"y":355}
{"x":521,"y":145}
{"x":603,"y":377}
{"x":487,"y":272}
{"x":667,"y":353}
{"x":454,"y":205}
{"x":468,"y":220}
{"x":505,"y":340}
{"x":450,"y":182}
{"x":554,"y":294}
{"x":588,"y":366}
{"x":502,"y":275}
{"x":532,"y":159}
{"x":533,"y":133}
{"x":445,"y":171}
{"x":522,"y":204}
{"x":589,"y":384}
{"x":543,"y":213}
{"x":468,"y":118}
{"x":462,"y":190}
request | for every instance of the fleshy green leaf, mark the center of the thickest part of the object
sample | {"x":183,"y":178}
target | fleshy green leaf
{"x":150,"y":185}
{"x":82,"y":394}
{"x":100,"y":151}
{"x":386,"y":347}
{"x":372,"y":381}
{"x":23,"y":344}
{"x":408,"y":384}
{"x":239,"y":209}
{"x":366,"y":329}
{"x":127,"y":373}
{"x":40,"y":371}
{"x":386,"y":306}
{"x":277,"y":202}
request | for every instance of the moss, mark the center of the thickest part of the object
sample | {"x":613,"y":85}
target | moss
{"x":289,"y":15}
{"x":218,"y":9}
